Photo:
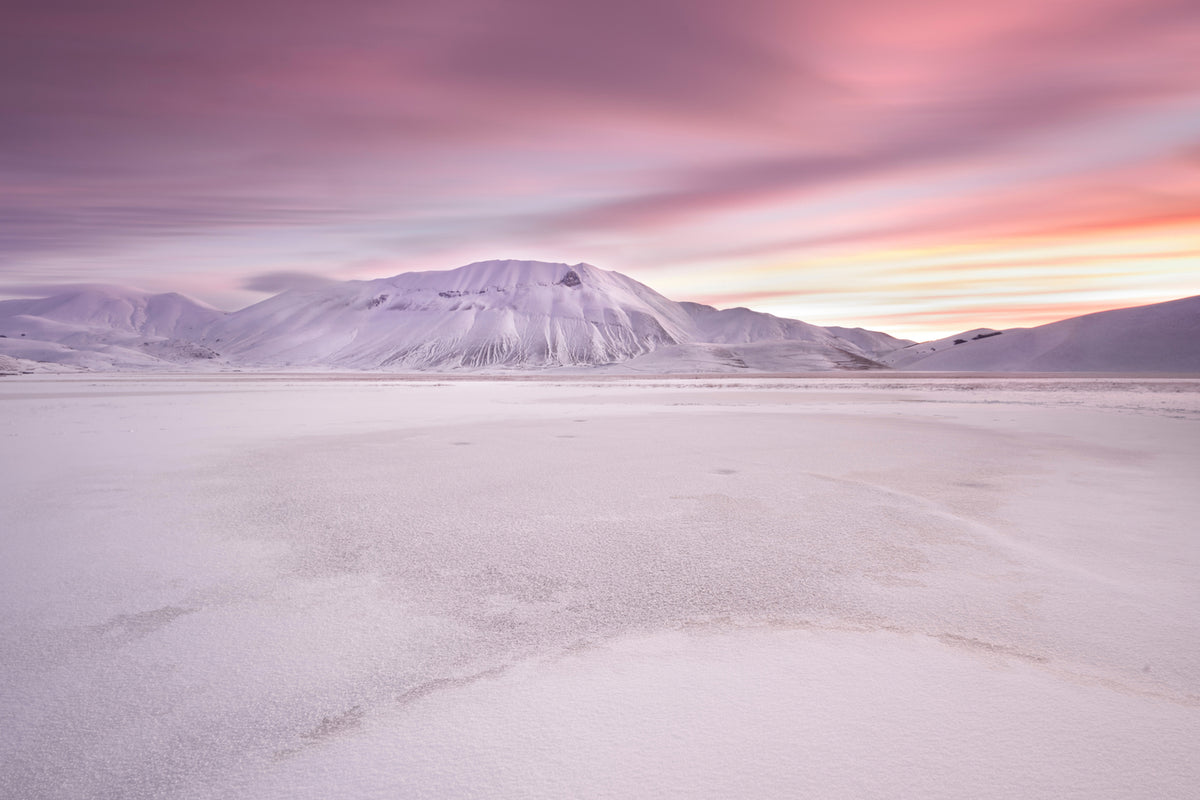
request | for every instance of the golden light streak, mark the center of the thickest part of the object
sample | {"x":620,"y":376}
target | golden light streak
{"x":1013,"y":281}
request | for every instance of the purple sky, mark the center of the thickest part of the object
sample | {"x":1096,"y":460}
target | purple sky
{"x":917,"y":167}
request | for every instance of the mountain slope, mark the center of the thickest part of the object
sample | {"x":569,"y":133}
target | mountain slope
{"x":1163,"y":337}
{"x":114,"y":308}
{"x":743,"y":326}
{"x":903,"y":357}
{"x":495,"y":313}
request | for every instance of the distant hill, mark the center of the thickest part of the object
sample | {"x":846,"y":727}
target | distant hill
{"x":107,"y":327}
{"x":1163,"y":337}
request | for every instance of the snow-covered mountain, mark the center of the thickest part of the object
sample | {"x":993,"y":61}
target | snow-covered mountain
{"x":114,"y":308}
{"x":1163,"y":337}
{"x":509,"y":314}
{"x":491,"y":314}
{"x":106,"y":327}
{"x":520,"y":315}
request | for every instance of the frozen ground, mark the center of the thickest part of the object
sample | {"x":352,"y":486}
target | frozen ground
{"x":219,"y":586}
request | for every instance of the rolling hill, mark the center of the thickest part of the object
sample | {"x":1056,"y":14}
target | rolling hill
{"x":1163,"y":337}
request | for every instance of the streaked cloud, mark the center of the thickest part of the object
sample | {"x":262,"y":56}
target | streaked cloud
{"x":823,"y":152}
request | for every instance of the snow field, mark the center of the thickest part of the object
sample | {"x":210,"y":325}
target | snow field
{"x":307,"y":586}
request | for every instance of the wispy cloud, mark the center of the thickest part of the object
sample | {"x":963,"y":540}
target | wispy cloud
{"x":253,"y":136}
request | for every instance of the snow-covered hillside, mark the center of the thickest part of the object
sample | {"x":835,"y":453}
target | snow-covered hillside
{"x":743,"y":326}
{"x":1163,"y":337}
{"x":114,"y":308}
{"x":107,"y":327}
{"x":904,"y":357}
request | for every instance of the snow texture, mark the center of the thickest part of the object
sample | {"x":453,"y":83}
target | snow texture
{"x":312,"y":586}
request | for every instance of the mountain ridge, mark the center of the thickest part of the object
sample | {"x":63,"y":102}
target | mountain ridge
{"x":496,"y":314}
{"x":531,"y":315}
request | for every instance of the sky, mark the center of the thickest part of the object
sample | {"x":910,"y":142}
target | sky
{"x":915,"y":166}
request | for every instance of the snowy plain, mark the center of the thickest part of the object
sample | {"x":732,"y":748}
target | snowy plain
{"x":878,"y":585}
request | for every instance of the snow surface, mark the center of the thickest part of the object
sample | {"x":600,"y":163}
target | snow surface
{"x":220,"y":586}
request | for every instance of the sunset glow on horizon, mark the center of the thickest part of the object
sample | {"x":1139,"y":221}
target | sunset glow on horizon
{"x":915,"y":166}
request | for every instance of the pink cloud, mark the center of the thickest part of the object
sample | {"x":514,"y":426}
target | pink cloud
{"x":384,"y":132}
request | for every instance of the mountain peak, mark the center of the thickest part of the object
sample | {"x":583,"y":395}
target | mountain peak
{"x":505,"y":274}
